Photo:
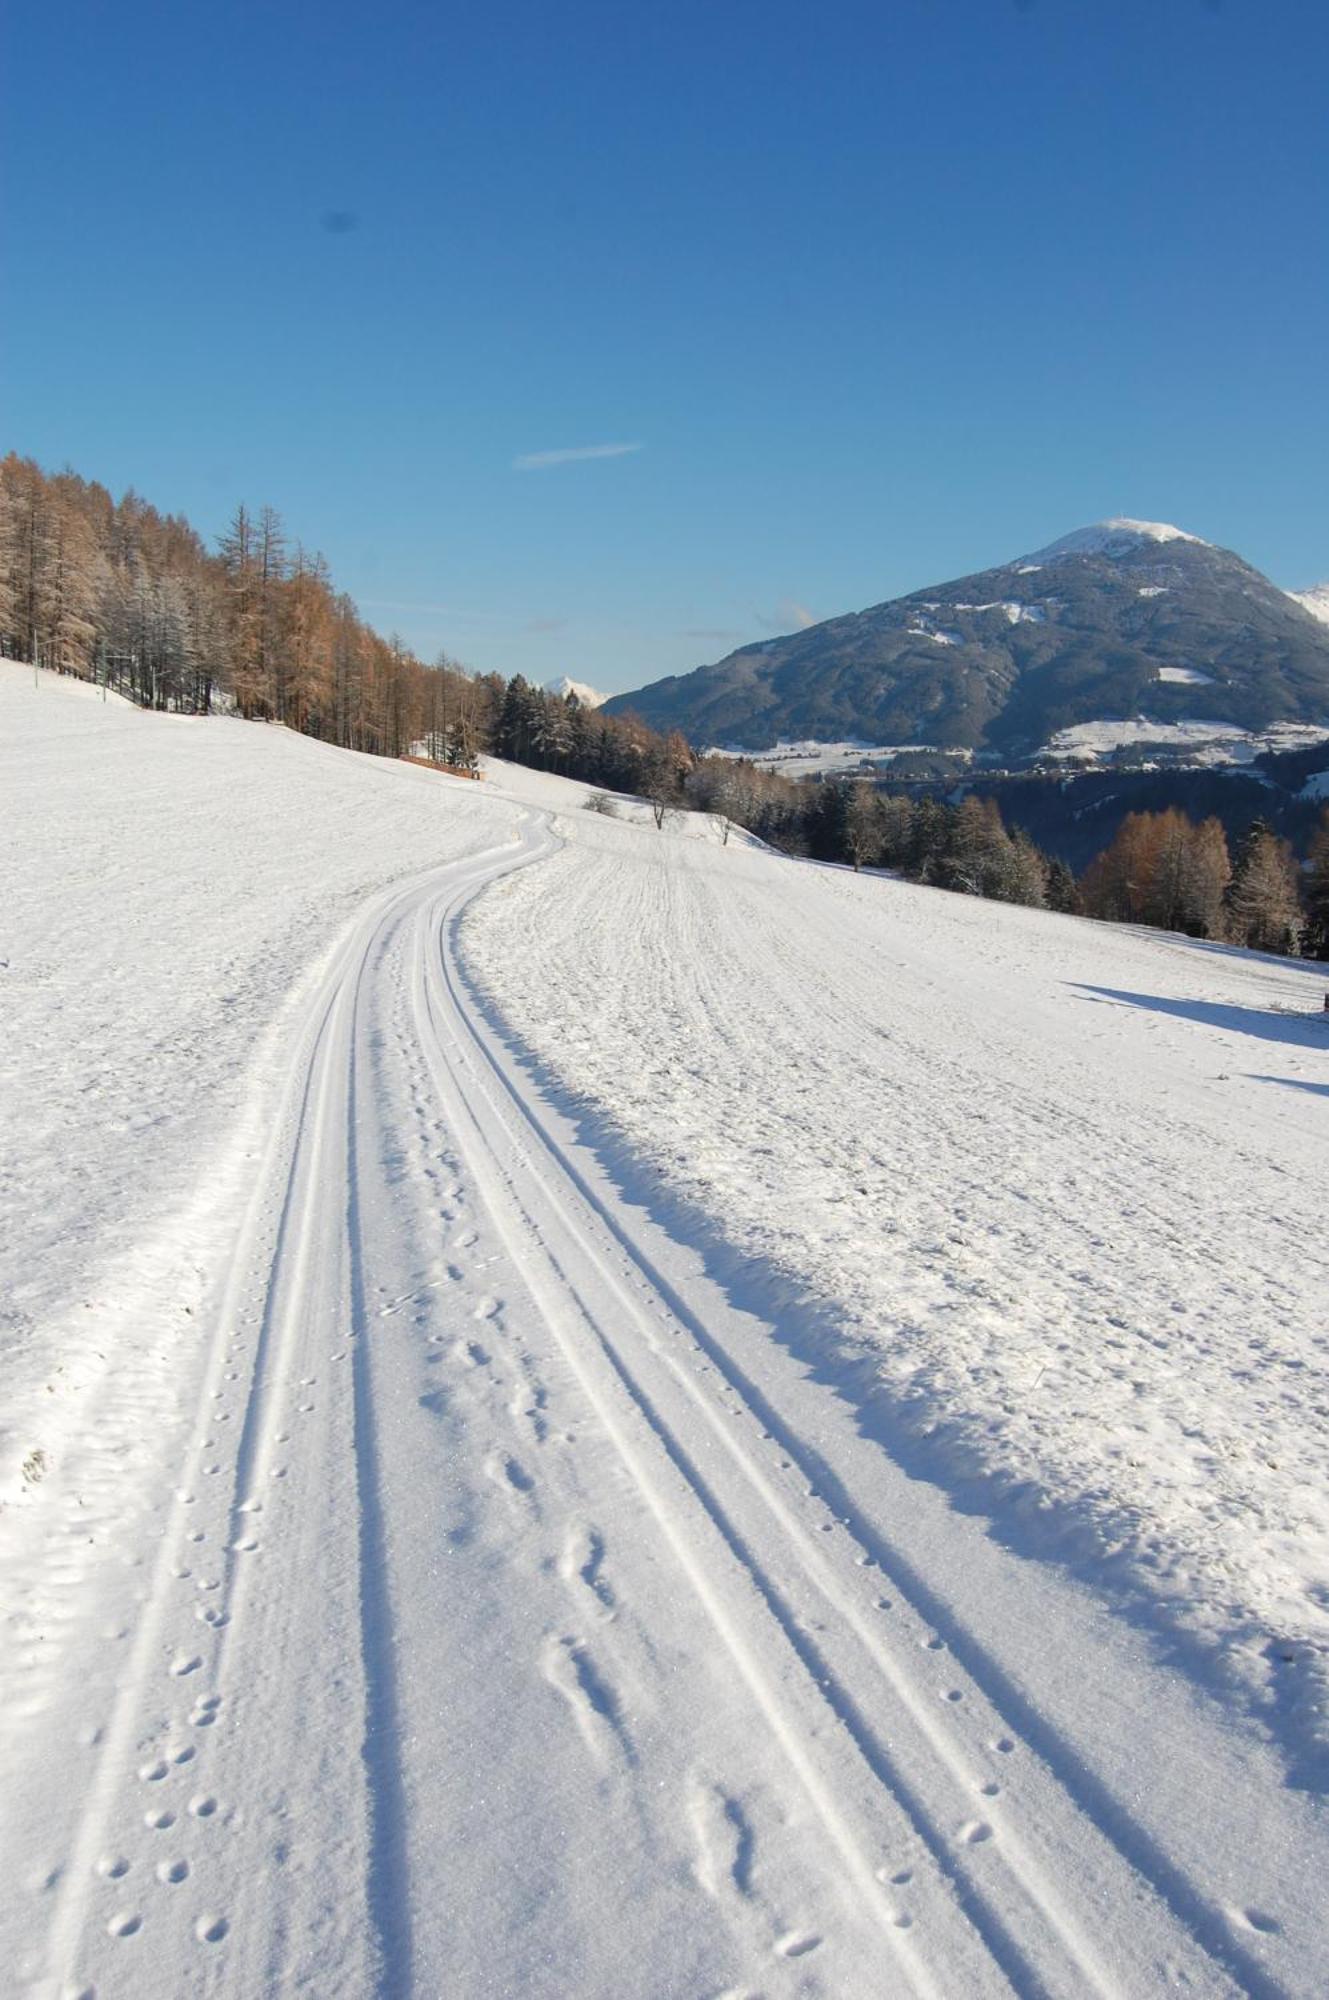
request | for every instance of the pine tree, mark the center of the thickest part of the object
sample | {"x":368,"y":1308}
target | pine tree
{"x":1062,"y":891}
{"x":1315,"y":936}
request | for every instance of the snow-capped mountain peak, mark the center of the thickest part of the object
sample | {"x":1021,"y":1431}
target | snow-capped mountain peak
{"x":1114,"y":537}
{"x":1315,"y":600}
{"x":589,"y":697}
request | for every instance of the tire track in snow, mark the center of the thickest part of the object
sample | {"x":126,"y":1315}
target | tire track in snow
{"x":123,"y":1735}
{"x":285,"y":1293}
{"x":774,"y":1575}
{"x":992,"y":1871}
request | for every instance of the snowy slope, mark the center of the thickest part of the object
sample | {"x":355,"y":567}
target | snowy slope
{"x":167,"y":882}
{"x":442,"y":1545}
{"x":1051,"y":1189}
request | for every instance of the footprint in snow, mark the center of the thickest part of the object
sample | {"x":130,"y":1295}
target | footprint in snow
{"x":582,"y":1562}
{"x":509,"y":1475}
{"x":1256,"y":1920}
{"x":797,"y":1944}
{"x":569,"y":1668}
{"x":725,"y":1842}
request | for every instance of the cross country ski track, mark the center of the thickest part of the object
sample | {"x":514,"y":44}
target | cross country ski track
{"x":508,"y":1631}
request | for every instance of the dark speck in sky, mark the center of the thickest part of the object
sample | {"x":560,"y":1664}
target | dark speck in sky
{"x":340,"y":221}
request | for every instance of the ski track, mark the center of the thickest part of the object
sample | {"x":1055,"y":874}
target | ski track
{"x":468,"y":1467}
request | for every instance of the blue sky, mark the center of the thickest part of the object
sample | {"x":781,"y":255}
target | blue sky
{"x":878,"y":294}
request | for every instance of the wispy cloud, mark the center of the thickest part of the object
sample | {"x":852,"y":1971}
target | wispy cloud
{"x":546,"y":624}
{"x":408,"y":604}
{"x":788,"y":616}
{"x":455,"y":614}
{"x":539,"y":461}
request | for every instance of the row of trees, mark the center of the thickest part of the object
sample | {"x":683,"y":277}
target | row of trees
{"x":1162,"y":869}
{"x":116,"y":592}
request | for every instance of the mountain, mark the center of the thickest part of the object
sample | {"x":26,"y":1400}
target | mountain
{"x":589,"y":697}
{"x":1132,"y":624}
{"x":1315,"y":600}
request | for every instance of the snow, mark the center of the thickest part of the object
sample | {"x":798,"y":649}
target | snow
{"x":1207,"y":742}
{"x":997,"y":1177}
{"x":1014,"y":613}
{"x":589,"y":697}
{"x":808,"y":756}
{"x":1316,"y":786}
{"x":1315,"y":600}
{"x":560,"y":1369}
{"x":1152,"y":590}
{"x":1113,"y":538}
{"x":124,"y":1043}
{"x":1185,"y":676}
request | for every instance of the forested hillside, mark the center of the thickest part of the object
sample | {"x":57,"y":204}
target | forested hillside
{"x":117,"y":592}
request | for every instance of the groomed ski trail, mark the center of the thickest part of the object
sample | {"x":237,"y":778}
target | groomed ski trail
{"x":502,"y":1638}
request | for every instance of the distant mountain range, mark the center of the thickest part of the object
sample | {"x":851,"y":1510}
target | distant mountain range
{"x":1128,"y":632}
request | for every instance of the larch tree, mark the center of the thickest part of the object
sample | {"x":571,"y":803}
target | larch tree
{"x":1262,"y":904}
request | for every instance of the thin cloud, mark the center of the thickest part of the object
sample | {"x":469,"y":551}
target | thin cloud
{"x":539,"y":461}
{"x":408,"y":604}
{"x":788,"y":616}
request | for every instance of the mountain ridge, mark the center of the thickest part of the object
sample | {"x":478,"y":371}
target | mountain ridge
{"x":1120,"y":620}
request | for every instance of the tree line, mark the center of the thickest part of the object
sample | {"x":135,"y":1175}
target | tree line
{"x":1162,"y":869}
{"x":116,"y":592}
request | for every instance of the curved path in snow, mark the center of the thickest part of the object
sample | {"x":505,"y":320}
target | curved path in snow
{"x":504,"y":1634}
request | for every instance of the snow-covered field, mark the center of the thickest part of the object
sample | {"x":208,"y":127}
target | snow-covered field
{"x":813,"y":759}
{"x":556,"y":1370}
{"x":1205,"y":742}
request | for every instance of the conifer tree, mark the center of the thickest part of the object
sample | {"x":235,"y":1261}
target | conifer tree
{"x":1315,"y":936}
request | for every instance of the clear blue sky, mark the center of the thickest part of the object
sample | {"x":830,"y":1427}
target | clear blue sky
{"x":883,"y":293}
